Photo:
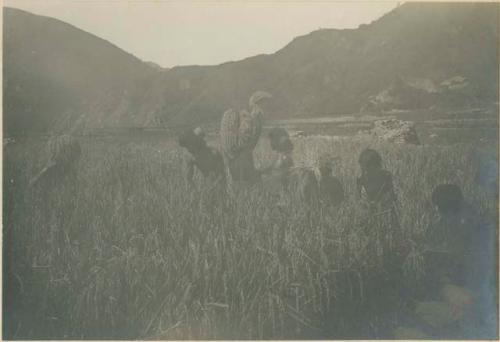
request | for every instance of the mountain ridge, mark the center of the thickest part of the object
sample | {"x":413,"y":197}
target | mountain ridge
{"x":69,"y":25}
{"x":377,"y":66}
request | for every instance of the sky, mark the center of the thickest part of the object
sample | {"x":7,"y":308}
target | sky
{"x":208,"y":32}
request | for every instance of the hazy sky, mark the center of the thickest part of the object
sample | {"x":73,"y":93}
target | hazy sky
{"x":173,"y":33}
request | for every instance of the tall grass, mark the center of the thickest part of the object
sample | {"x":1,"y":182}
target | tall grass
{"x":131,"y":251}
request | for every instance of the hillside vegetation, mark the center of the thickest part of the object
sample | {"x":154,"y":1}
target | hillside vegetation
{"x":417,"y":56}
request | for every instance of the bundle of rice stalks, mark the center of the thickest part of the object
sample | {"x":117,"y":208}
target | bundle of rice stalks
{"x":304,"y":184}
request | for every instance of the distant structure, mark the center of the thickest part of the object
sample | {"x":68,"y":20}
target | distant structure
{"x":299,"y":134}
{"x":396,"y":131}
{"x":239,"y":134}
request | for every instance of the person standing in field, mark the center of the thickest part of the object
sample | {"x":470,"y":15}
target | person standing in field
{"x":207,"y":160}
{"x":277,"y":173}
{"x":280,"y":177}
{"x":239,"y":134}
{"x":301,"y":181}
{"x":283,"y":177}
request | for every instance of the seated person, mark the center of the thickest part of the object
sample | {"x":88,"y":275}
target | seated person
{"x":330,"y":188}
{"x":375,"y":183}
{"x":376,"y":187}
{"x":460,"y":264}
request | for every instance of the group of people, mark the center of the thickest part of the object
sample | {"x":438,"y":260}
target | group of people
{"x":458,"y":249}
{"x":280,"y":173}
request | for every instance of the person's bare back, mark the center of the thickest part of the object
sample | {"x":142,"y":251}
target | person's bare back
{"x":207,"y":160}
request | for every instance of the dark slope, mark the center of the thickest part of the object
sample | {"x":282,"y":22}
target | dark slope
{"x":330,"y":71}
{"x":53,"y":70}
{"x":419,"y":55}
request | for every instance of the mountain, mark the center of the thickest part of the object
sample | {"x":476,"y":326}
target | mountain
{"x":53,"y":72}
{"x":418,"y":55}
{"x":329,"y":71}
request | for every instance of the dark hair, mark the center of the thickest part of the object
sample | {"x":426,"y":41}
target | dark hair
{"x":191,"y":141}
{"x":280,"y":140}
{"x":447,"y":197}
{"x":370,"y":159}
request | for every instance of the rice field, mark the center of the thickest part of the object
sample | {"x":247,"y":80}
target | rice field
{"x":132,"y":252}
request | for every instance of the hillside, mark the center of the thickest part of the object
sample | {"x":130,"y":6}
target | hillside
{"x":418,"y":55}
{"x":54,"y":72}
{"x":331,"y":72}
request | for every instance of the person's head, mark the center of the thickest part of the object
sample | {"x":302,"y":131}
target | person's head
{"x":370,"y":160}
{"x":326,"y":163}
{"x":280,"y":140}
{"x":447,"y":198}
{"x":193,"y":140}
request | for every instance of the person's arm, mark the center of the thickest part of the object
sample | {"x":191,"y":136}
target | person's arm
{"x":389,"y":187}
{"x":359,"y":187}
{"x":340,"y":192}
{"x":269,"y":168}
{"x":265,"y":170}
{"x":190,"y":172}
